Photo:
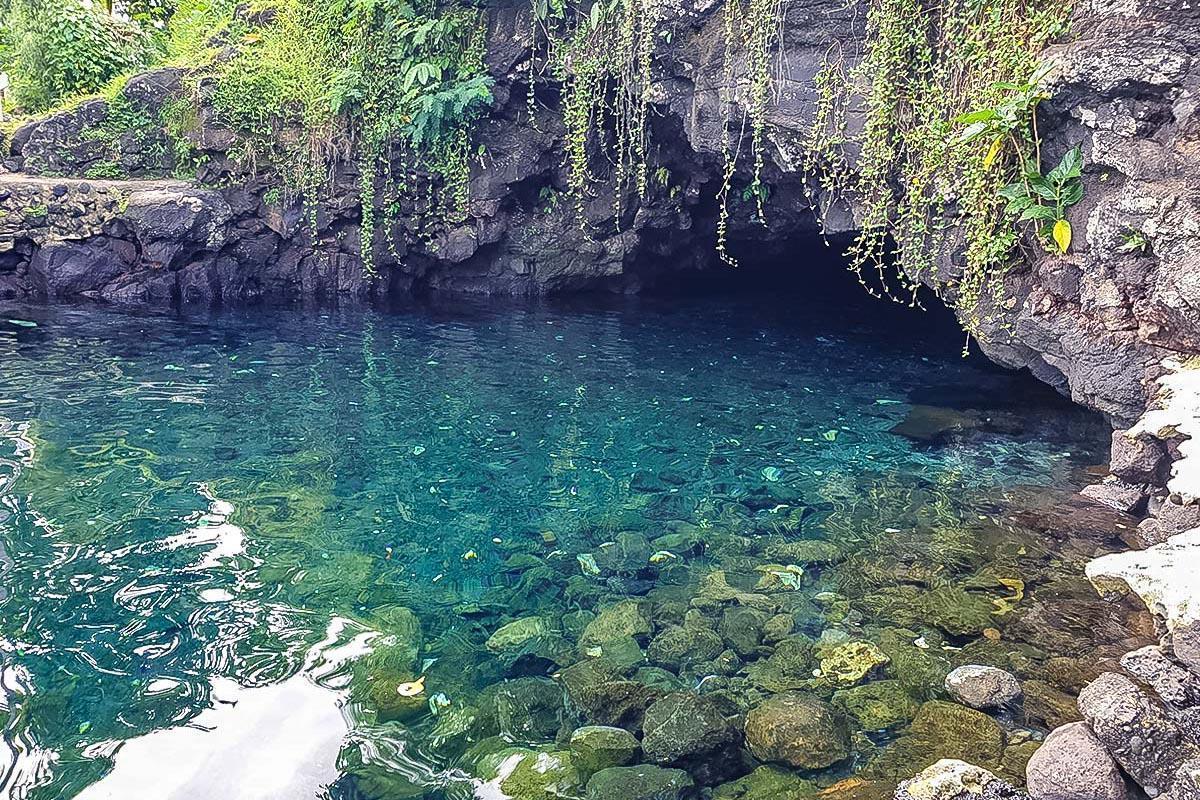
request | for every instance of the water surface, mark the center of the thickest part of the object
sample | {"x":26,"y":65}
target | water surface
{"x":192,"y":505}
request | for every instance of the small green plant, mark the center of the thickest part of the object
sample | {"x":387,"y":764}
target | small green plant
{"x":105,"y":170}
{"x":1134,"y":241}
{"x":38,"y":210}
{"x":1044,"y":199}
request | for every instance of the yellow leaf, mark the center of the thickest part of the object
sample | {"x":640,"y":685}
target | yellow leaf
{"x":993,"y":152}
{"x":1062,"y":235}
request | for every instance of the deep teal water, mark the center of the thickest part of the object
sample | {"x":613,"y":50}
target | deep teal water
{"x":381,"y":459}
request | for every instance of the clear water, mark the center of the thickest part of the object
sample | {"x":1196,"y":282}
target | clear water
{"x":183,"y":500}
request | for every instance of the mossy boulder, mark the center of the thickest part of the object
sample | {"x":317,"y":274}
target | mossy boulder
{"x":877,"y":706}
{"x":742,"y":629}
{"x":921,"y":670}
{"x":681,"y":646}
{"x":799,"y":730}
{"x":617,"y":621}
{"x":808,"y":551}
{"x":788,"y":667}
{"x":767,"y":783}
{"x":957,"y":611}
{"x":597,"y":747}
{"x":404,"y":637}
{"x":692,"y":732}
{"x":517,"y":634}
{"x":941,"y":730}
{"x":524,"y":774}
{"x":848,"y":663}
{"x":641,"y":782}
{"x":526,"y":710}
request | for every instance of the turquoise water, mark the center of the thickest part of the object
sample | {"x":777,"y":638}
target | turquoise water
{"x":183,"y":500}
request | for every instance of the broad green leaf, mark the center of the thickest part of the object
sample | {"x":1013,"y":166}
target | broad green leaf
{"x":1062,"y":235}
{"x":1037,"y":212}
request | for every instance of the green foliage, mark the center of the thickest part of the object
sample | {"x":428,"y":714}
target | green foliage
{"x":62,"y":48}
{"x":1134,"y":241}
{"x":949,"y":94}
{"x":600,"y":53}
{"x":374,"y":78}
{"x":1044,"y":199}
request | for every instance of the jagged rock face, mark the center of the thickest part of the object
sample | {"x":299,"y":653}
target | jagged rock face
{"x":1095,"y":323}
{"x":1098,"y":322}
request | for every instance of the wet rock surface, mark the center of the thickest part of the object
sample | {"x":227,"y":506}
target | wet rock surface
{"x":1072,"y":764}
{"x":981,"y":686}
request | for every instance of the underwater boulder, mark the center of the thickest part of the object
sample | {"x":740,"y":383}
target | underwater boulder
{"x":877,"y":706}
{"x":1048,"y":706}
{"x":405,"y":637}
{"x":681,"y":646}
{"x":799,"y":730}
{"x":628,"y":552}
{"x":805,"y":551}
{"x":788,"y":667}
{"x":516,"y":634}
{"x":600,"y":696}
{"x":848,"y":663}
{"x":766,"y":783}
{"x":520,"y":773}
{"x":742,"y":629}
{"x":921,"y":670}
{"x":597,"y":747}
{"x":527,"y":710}
{"x":941,"y":730}
{"x":692,"y":732}
{"x":641,"y":782}
{"x":980,"y":686}
{"x":616,"y":621}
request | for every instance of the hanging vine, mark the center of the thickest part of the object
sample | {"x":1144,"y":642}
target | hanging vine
{"x":948,"y":92}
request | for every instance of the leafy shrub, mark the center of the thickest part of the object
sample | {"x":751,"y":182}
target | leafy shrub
{"x":63,"y":48}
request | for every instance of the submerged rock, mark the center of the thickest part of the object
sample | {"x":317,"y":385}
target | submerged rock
{"x":617,"y":621}
{"x":788,"y":667}
{"x":1072,"y":764}
{"x":799,"y":730}
{"x":597,"y":747}
{"x":942,"y":730}
{"x":766,"y":783}
{"x":878,"y":705}
{"x":980,"y":686}
{"x":681,"y":646}
{"x":847,"y":664}
{"x":951,"y":779}
{"x":523,"y":774}
{"x":517,"y":634}
{"x":528,"y":710}
{"x":691,"y":731}
{"x":642,"y":782}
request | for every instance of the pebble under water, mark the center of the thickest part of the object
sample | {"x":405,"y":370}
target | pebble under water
{"x":357,"y":554}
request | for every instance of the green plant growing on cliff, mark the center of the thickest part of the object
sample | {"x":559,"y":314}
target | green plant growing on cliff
{"x":949,"y":95}
{"x":601,"y":55}
{"x":382,"y":81}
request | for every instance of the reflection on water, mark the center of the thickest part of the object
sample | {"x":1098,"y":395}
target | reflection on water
{"x":187,"y":506}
